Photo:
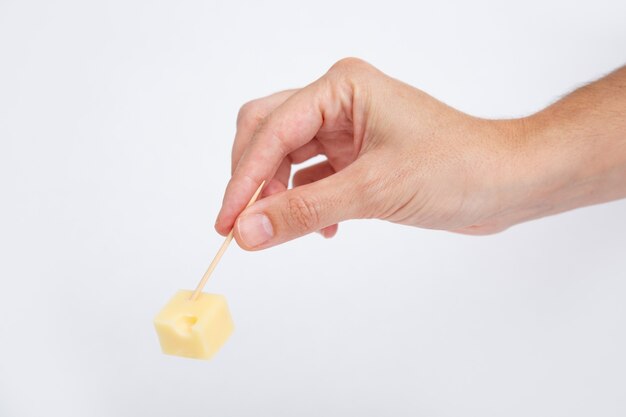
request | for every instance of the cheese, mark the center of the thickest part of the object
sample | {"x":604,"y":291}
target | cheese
{"x":193,"y":329}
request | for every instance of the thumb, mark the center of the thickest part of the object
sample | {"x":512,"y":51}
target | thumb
{"x":301,"y":210}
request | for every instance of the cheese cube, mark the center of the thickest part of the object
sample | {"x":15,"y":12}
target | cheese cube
{"x":193,"y":329}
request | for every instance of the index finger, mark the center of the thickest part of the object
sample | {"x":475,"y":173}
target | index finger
{"x":250,"y":117}
{"x":288,"y":127}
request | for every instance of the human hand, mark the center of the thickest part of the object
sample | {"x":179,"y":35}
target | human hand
{"x":393,"y":153}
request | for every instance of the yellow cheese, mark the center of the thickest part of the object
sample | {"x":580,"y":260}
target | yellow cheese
{"x":193,"y":329}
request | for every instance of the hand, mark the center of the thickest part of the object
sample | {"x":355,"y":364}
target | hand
{"x":393,"y":153}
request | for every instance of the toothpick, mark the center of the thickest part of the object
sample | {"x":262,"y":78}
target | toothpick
{"x":220,"y":252}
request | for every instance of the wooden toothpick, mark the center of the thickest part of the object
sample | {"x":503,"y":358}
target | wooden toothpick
{"x":221,"y":251}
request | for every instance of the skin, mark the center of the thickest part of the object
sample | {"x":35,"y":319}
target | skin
{"x":395,"y":153}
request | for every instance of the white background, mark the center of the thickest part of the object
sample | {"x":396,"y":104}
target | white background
{"x":116,"y":121}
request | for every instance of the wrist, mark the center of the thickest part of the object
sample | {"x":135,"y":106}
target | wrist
{"x":526,"y":177}
{"x":513,"y":182}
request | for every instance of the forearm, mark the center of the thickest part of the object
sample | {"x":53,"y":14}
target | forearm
{"x":571,"y":154}
{"x":585,"y":134}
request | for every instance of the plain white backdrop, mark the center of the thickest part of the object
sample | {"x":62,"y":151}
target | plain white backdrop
{"x":116,"y":122}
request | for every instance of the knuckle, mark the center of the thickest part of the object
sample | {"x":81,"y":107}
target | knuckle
{"x":248,"y":113}
{"x":302,"y":214}
{"x":349,"y":65}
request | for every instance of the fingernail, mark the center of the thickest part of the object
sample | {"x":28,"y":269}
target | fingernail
{"x":322,"y":233}
{"x":255,"y":229}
